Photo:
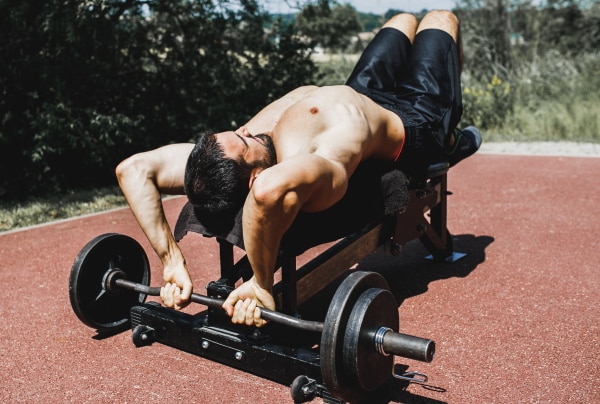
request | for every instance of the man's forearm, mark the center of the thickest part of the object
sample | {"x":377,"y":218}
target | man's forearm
{"x":264,"y":224}
{"x":261,"y":247}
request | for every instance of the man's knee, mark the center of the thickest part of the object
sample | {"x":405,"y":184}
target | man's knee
{"x":443,"y":20}
{"x":401,"y":19}
{"x":442,"y":17}
{"x":404,"y":22}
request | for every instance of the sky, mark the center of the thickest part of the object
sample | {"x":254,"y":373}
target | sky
{"x":371,"y":6}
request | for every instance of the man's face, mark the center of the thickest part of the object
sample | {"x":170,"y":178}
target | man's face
{"x":254,"y":150}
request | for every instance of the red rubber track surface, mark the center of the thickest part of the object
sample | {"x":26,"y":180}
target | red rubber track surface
{"x":517,"y":320}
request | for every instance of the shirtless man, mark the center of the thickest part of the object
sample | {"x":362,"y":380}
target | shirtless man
{"x":401,"y":104}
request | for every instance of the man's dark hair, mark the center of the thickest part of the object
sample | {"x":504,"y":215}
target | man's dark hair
{"x":215,"y":185}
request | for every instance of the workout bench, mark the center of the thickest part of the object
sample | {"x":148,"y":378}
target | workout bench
{"x":358,"y":337}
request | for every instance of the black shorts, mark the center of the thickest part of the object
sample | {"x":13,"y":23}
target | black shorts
{"x":420,"y":82}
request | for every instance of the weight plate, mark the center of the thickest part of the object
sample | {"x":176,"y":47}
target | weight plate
{"x":338,"y":380}
{"x":107,"y":311}
{"x":375,"y":308}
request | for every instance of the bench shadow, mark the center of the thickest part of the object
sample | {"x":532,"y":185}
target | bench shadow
{"x":409,"y":273}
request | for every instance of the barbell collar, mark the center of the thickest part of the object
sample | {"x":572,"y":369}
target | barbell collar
{"x":378,"y":340}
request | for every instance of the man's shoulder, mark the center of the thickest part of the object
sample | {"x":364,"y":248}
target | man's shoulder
{"x":313,"y":89}
{"x":302,"y":90}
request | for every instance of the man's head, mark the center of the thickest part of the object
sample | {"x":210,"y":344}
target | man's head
{"x":219,"y":174}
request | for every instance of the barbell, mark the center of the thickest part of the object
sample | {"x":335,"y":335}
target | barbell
{"x":111,"y":274}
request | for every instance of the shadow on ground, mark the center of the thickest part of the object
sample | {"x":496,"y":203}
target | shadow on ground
{"x":409,"y":273}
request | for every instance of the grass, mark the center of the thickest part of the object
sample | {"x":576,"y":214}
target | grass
{"x":577,"y":121}
{"x":54,"y":207}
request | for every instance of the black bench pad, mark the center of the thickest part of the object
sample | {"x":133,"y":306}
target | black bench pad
{"x":374,"y":190}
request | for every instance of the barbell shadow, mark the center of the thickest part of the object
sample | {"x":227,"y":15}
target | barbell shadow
{"x":397,"y":392}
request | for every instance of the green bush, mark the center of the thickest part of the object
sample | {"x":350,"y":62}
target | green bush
{"x":487,"y":104}
{"x":546,"y":100}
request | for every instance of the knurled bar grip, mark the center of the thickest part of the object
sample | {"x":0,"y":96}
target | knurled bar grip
{"x":215,"y":303}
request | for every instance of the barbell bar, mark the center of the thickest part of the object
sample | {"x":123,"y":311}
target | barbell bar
{"x":215,"y":303}
{"x":385,"y":340}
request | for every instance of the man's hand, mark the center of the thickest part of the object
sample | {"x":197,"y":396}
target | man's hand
{"x":243,"y":304}
{"x":178,"y":287}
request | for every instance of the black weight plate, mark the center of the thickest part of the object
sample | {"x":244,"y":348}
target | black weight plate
{"x":107,"y":311}
{"x":375,"y":308}
{"x":338,"y":380}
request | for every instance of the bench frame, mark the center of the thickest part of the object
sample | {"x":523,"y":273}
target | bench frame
{"x":425,"y":218}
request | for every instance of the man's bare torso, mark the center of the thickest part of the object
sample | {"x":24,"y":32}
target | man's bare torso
{"x":336,"y":123}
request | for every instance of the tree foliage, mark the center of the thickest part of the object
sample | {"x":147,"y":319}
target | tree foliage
{"x":503,"y":35}
{"x":87,"y":83}
{"x":329,"y":24}
{"x":520,"y":50}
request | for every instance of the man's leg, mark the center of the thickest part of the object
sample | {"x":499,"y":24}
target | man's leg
{"x":442,"y":20}
{"x":461,"y":144}
{"x":434,"y":75}
{"x":379,"y":68}
{"x":447,"y":22}
{"x":405,"y":23}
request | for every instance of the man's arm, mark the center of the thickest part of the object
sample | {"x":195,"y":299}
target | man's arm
{"x":142,"y":178}
{"x":307,"y":182}
{"x":266,"y":119}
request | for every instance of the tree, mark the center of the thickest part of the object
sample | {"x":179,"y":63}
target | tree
{"x":500,"y":35}
{"x":327,"y":26}
{"x":85,"y":84}
{"x":485,"y":30}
